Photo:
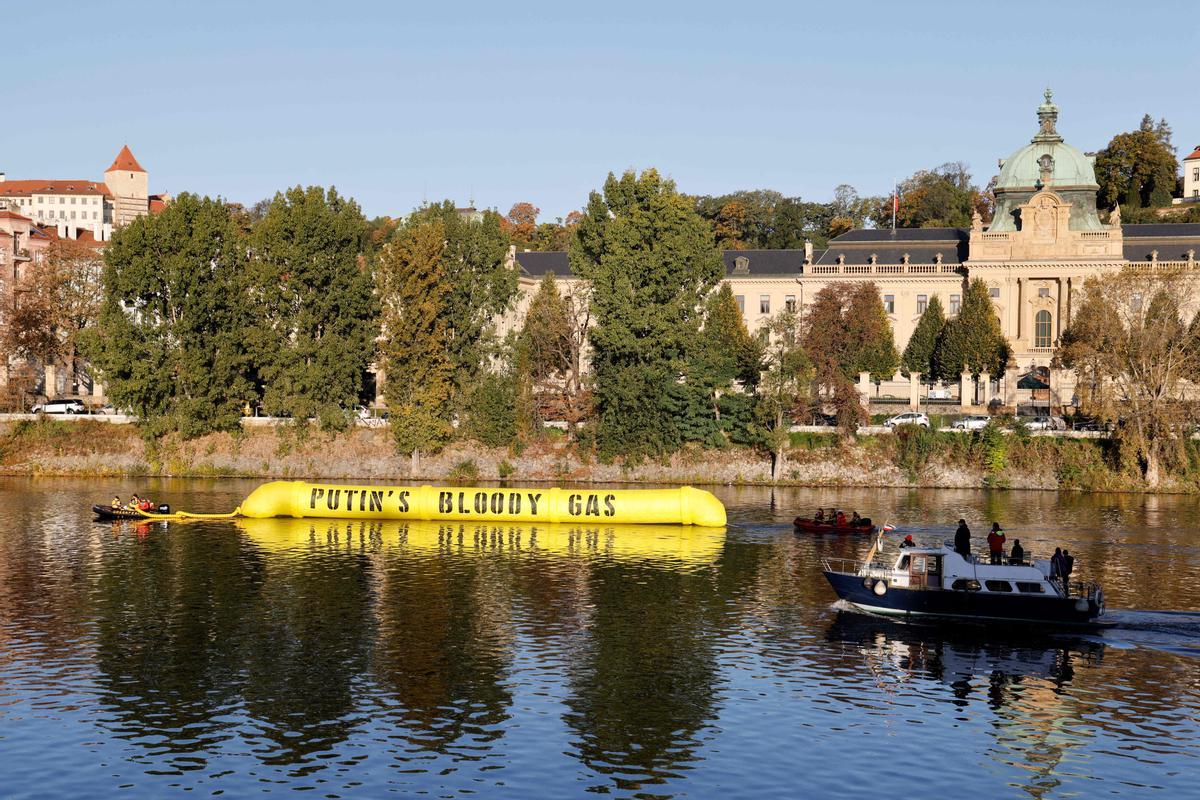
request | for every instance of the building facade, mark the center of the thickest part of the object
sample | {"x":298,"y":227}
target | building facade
{"x":91,"y":209}
{"x":1191,"y":178}
{"x":1044,"y":241}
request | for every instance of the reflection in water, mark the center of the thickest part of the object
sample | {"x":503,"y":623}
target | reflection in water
{"x":362,"y":659}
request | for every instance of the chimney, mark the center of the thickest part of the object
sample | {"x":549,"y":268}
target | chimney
{"x":1,"y":177}
{"x":808,"y":254}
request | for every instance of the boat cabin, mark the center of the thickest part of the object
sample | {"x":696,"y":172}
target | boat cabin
{"x":943,"y":568}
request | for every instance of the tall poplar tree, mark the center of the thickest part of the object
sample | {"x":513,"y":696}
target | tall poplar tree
{"x":315,"y":311}
{"x":918,"y":354}
{"x":973,"y":340}
{"x":171,"y":338}
{"x":413,"y":348}
{"x":480,"y":285}
{"x":651,"y":260}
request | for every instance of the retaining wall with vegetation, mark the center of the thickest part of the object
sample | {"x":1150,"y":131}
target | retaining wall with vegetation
{"x":909,"y":457}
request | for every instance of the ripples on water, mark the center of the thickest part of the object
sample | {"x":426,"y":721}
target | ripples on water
{"x":363,"y":660}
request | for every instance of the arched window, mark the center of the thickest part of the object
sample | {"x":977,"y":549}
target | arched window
{"x":1041,"y":329}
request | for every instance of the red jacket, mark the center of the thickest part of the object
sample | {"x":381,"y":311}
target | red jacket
{"x":996,"y":541}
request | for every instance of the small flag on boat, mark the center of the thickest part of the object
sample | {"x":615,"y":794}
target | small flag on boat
{"x":889,"y":528}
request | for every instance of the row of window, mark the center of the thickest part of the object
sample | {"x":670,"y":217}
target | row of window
{"x":889,"y":303}
{"x":63,"y":215}
{"x":51,"y":199}
{"x":1024,"y":587}
{"x":764,"y":303}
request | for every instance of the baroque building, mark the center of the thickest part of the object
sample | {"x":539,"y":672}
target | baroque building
{"x":1044,"y":241}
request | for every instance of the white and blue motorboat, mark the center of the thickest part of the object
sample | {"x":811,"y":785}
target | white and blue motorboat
{"x":937,"y":583}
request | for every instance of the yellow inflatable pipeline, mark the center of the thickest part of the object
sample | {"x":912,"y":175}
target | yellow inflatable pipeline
{"x":669,"y":544}
{"x":684,"y":506}
{"x":298,"y":499}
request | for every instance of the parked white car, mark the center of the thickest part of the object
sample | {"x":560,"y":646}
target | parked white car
{"x":1045,"y":423}
{"x":60,"y":407}
{"x":973,"y":422}
{"x":908,"y":418}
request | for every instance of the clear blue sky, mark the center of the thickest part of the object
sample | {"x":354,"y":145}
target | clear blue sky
{"x":537,"y":101}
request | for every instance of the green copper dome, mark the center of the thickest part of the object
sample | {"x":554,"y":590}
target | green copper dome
{"x":1047,"y":162}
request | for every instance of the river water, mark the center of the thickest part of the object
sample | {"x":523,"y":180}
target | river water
{"x":352,"y":660}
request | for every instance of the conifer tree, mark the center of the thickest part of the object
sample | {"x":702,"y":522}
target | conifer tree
{"x":973,"y":340}
{"x":918,"y":354}
{"x":170,"y":341}
{"x":414,"y":351}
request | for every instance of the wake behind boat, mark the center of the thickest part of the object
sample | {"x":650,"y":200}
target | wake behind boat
{"x":939,"y":583}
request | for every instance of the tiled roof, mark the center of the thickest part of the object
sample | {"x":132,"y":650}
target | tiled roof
{"x":761,"y":262}
{"x":1160,"y":230}
{"x":125,"y":162}
{"x":765,"y":262}
{"x":902,"y":235}
{"x":538,"y":264}
{"x":1195,"y":154}
{"x":6,"y":214}
{"x":26,"y":188}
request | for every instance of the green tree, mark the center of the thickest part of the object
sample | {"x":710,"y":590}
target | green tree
{"x":651,"y":261}
{"x":918,"y":354}
{"x":171,"y":337}
{"x":481,"y":284}
{"x":414,"y":351}
{"x":315,"y":308}
{"x":973,"y":340}
{"x":870,"y":343}
{"x":545,"y":351}
{"x":726,"y":352}
{"x":783,"y":389}
{"x":942,"y":197}
{"x":765,"y":219}
{"x":1138,"y":169}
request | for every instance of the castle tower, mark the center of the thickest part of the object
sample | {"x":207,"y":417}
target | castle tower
{"x":130,"y":188}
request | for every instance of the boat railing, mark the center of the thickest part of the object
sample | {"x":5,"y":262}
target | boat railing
{"x":849,"y":566}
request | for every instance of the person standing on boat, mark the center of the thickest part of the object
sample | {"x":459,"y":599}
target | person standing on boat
{"x":1056,"y":564}
{"x":962,"y":540}
{"x":908,"y":542}
{"x":1068,"y":565}
{"x":1017,"y":556}
{"x":996,"y":544}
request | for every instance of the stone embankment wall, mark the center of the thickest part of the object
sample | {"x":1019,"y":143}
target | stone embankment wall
{"x":86,"y":447}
